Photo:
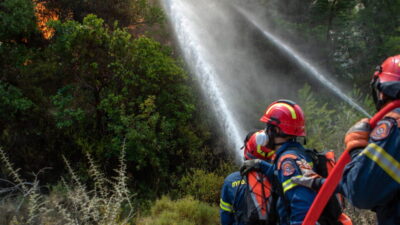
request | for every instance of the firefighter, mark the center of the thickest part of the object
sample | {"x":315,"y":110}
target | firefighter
{"x":284,"y":123}
{"x":372,"y":179}
{"x":232,"y":201}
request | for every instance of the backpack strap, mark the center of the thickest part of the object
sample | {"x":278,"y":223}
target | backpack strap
{"x":319,"y":162}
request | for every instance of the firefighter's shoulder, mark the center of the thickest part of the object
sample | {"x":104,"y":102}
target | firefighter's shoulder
{"x":234,"y":179}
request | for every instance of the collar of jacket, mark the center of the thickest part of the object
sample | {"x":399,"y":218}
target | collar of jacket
{"x":289,"y":145}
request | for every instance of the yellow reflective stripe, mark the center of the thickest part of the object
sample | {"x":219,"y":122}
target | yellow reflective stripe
{"x":288,"y":184}
{"x":291,"y":109}
{"x":259,"y":151}
{"x":225,"y":203}
{"x":292,"y":185}
{"x":225,"y":206}
{"x":270,"y":153}
{"x":389,"y":164}
{"x":225,"y":209}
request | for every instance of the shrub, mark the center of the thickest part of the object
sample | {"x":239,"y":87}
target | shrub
{"x":186,"y":211}
{"x":202,"y":185}
{"x":361,"y":216}
{"x":108,"y":202}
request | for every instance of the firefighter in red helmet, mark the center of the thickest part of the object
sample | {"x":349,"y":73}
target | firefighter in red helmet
{"x":253,"y":148}
{"x":372,"y":179}
{"x":233,"y":203}
{"x":284,"y":123}
{"x":376,"y":154}
{"x":385,"y":83}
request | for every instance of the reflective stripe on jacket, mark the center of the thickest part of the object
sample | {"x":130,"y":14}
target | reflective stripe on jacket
{"x":372,"y":179}
{"x":293,"y":207}
{"x":231,"y":198}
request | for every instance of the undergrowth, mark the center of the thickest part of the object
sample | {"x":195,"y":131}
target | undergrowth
{"x":107,"y":203}
{"x":185,"y":211}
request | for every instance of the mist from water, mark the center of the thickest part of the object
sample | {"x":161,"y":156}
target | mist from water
{"x":301,"y":60}
{"x":233,"y":63}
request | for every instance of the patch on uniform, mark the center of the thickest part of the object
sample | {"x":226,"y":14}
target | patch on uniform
{"x":382,"y":130}
{"x":288,"y":168}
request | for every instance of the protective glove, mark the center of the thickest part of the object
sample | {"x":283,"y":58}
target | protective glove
{"x":357,"y":136}
{"x":309,"y":178}
{"x":248,"y":165}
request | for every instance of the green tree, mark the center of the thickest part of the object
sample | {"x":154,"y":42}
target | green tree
{"x":115,"y":88}
{"x":327,"y":120}
{"x":127,"y":12}
{"x":92,"y":88}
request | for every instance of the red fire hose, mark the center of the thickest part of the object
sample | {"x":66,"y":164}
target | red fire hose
{"x":333,"y":179}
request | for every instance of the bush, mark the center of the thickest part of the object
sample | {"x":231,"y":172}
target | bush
{"x":87,"y":89}
{"x":186,"y":211}
{"x":108,"y":202}
{"x":202,"y":185}
{"x":361,"y":216}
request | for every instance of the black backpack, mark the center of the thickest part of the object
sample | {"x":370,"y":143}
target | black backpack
{"x":324,"y":162}
{"x":258,"y":203}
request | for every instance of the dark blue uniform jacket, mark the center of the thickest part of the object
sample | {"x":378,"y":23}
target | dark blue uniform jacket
{"x":232,"y":198}
{"x":372,"y":179}
{"x":296,"y":201}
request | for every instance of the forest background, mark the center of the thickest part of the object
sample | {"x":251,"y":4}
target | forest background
{"x":106,"y":125}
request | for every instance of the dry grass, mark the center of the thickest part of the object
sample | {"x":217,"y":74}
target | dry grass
{"x":185,"y":211}
{"x":23,"y":203}
{"x":360,"y":216}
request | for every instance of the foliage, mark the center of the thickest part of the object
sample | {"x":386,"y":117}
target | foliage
{"x":118,"y":88}
{"x":89,"y":88}
{"x":13,"y":103}
{"x":353,"y":35}
{"x":201,"y":185}
{"x":17,"y":20}
{"x":18,"y":34}
{"x":361,"y":216}
{"x":127,"y":12}
{"x":327,"y":124}
{"x":109,"y":202}
{"x":186,"y":211}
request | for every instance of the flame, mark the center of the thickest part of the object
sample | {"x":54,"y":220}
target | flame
{"x":43,"y":16}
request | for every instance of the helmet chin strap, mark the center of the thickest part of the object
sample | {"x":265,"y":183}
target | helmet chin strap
{"x":281,"y":143}
{"x":375,"y":94}
{"x":272,"y":134}
{"x":380,"y":102}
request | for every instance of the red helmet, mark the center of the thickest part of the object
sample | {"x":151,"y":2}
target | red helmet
{"x":286,"y":115}
{"x":252,"y":150}
{"x":386,"y":79}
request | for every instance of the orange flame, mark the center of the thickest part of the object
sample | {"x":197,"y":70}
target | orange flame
{"x":43,"y":16}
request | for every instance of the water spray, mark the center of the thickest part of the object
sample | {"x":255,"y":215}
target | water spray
{"x":297,"y":57}
{"x":230,"y":75}
{"x":198,"y":61}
